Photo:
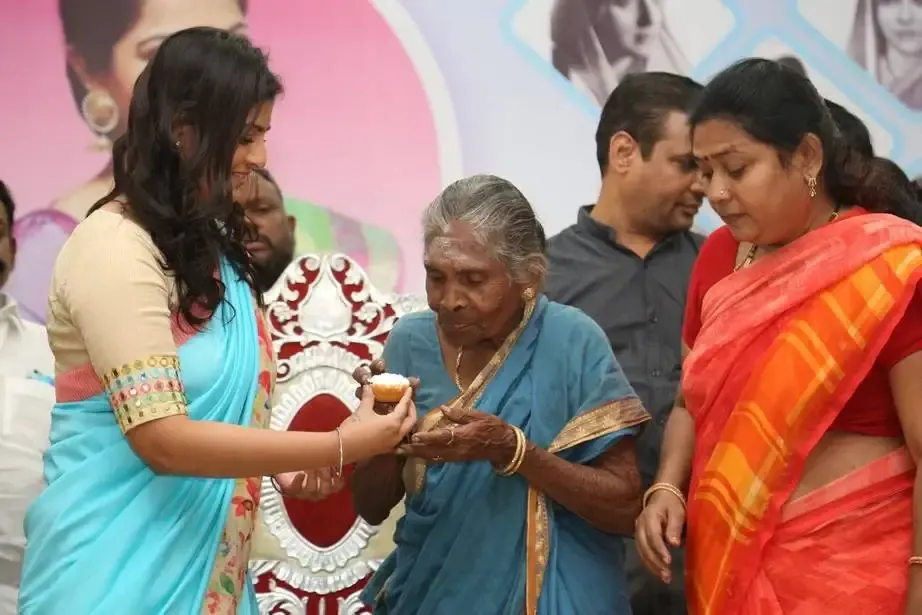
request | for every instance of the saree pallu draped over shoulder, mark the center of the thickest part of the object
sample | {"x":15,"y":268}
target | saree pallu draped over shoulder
{"x":108,"y":535}
{"x":783,"y":346}
{"x":475,"y":542}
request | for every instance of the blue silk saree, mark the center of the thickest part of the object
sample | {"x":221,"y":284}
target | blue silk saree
{"x":108,"y":535}
{"x":476,"y":542}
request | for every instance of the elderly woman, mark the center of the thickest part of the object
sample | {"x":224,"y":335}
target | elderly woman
{"x":522,"y":472}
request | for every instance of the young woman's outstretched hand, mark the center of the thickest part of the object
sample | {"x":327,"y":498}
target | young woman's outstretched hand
{"x":367,"y":433}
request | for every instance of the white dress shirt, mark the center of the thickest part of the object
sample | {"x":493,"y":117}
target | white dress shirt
{"x":26,"y":401}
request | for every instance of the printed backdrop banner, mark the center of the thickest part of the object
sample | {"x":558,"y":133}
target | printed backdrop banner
{"x":389,"y":100}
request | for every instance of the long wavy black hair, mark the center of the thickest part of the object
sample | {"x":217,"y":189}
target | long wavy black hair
{"x":778,"y":106}
{"x":205,"y":82}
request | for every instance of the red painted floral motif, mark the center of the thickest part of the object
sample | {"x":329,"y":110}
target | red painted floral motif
{"x":265,"y":382}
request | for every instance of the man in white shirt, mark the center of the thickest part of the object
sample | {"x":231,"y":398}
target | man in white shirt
{"x":26,"y":401}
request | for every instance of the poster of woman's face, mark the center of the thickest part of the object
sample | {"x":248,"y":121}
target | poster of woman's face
{"x":886,"y":40}
{"x":348,"y":73}
{"x":596,"y":43}
{"x":882,"y":38}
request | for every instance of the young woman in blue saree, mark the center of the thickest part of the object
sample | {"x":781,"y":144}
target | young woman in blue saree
{"x":164,"y":368}
{"x":522,"y":473}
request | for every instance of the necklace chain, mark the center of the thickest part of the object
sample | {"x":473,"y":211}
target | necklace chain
{"x":458,"y":369}
{"x":751,"y":254}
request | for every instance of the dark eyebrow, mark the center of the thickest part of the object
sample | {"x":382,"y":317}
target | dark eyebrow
{"x":731,"y":149}
{"x":159,"y":38}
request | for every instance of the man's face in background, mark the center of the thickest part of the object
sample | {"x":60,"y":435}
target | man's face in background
{"x":273,"y":246}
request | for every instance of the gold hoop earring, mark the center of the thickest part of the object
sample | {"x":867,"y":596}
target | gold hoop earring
{"x":811,"y":184}
{"x":101,"y":115}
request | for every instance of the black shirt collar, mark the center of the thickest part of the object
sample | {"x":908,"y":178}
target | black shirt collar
{"x":586,"y":223}
{"x":589,"y":225}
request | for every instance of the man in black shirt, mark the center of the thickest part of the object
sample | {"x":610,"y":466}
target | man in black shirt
{"x":627,"y":260}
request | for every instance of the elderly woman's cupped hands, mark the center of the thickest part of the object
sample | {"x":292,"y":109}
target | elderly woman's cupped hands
{"x":472,"y":436}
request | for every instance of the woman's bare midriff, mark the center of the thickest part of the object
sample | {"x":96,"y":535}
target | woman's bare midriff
{"x":838,"y":454}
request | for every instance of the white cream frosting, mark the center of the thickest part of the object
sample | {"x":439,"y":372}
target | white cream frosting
{"x":390,"y":380}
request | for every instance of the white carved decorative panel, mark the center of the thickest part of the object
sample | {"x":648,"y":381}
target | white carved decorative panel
{"x":325,"y":318}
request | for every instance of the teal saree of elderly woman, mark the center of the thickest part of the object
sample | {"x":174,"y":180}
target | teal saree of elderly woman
{"x":473,"y":541}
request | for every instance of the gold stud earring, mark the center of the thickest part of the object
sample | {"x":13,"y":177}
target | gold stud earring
{"x":528,"y":294}
{"x":811,"y":184}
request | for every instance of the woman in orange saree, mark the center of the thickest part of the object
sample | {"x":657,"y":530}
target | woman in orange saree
{"x":797,"y":435}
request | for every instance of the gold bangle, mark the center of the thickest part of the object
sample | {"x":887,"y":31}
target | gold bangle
{"x":339,"y":436}
{"x":519,"y":455}
{"x":664,"y":487}
{"x":513,"y":467}
{"x":915,"y":560}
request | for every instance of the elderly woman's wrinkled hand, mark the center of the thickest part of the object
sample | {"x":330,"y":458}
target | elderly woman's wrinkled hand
{"x":473,"y":436}
{"x":362,"y":375}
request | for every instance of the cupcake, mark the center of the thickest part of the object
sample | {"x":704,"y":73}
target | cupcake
{"x":389,"y":388}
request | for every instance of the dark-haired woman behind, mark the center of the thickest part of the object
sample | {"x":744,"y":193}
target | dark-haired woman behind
{"x":163,"y":365}
{"x":798,"y":432}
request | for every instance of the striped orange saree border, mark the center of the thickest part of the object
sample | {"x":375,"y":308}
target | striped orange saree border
{"x":788,"y":401}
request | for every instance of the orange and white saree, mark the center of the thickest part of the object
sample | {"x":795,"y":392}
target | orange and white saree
{"x":783,"y":345}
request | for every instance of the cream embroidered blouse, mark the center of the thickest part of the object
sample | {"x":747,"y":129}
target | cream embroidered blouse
{"x":109,"y":307}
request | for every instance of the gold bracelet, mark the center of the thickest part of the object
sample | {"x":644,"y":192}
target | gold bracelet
{"x":339,"y":436}
{"x":664,"y":487}
{"x":519,"y":455}
{"x":915,"y":560}
{"x":513,"y":467}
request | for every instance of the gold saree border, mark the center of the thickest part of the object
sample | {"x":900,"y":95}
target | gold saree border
{"x":414,"y":475}
{"x":601,"y":421}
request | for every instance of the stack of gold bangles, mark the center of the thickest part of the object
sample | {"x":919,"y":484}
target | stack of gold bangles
{"x":664,"y":487}
{"x":519,"y":456}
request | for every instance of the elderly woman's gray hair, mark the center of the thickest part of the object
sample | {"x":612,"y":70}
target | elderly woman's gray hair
{"x":501,"y":219}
